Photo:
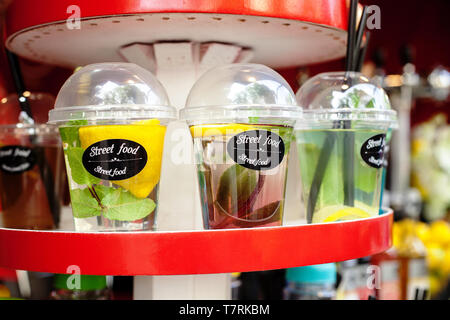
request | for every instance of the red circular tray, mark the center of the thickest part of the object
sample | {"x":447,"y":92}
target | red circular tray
{"x":281,"y":33}
{"x":24,"y":14}
{"x":194,"y":252}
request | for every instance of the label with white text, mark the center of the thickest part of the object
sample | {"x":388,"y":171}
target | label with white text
{"x":16,"y":159}
{"x":115,"y":159}
{"x":257,"y":149}
{"x":372,"y":151}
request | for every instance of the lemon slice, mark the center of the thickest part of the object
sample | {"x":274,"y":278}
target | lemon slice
{"x":339,"y":213}
{"x":349,"y":213}
{"x":208,"y":130}
{"x":149,"y":134}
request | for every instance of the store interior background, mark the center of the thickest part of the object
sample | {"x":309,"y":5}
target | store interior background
{"x":422,"y":27}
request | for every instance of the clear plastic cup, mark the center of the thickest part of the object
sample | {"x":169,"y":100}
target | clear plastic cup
{"x":112,"y":118}
{"x":341,"y":143}
{"x":31,"y":176}
{"x":241,"y":118}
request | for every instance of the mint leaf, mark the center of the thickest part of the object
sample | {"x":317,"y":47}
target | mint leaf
{"x":69,"y":133}
{"x":355,"y":98}
{"x":102,"y":190}
{"x":79,"y":173}
{"x":371,"y":104}
{"x":253,"y":120}
{"x":235,"y":187}
{"x":83,"y":204}
{"x":123,"y":206}
{"x":286,"y":133}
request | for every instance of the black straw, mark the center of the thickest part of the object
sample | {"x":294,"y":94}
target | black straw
{"x":351,"y":35}
{"x":362,"y":54}
{"x":348,"y":165}
{"x":18,"y":82}
{"x":359,"y":37}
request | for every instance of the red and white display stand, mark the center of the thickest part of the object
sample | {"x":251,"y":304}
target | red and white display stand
{"x":178,"y":41}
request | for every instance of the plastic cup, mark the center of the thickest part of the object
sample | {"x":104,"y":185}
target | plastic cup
{"x":241,"y":118}
{"x":341,"y":143}
{"x":112,"y":118}
{"x":31,"y":176}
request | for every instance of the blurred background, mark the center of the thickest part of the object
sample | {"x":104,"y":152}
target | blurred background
{"x":410,"y":57}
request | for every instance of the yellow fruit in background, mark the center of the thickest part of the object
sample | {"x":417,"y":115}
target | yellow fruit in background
{"x":446,"y":263}
{"x":435,"y":285}
{"x":396,"y":235}
{"x":418,"y":146}
{"x":423,"y":232}
{"x":440,"y":233}
{"x":435,"y":257}
{"x":148,"y":133}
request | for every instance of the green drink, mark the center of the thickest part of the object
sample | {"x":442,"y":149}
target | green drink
{"x":341,"y":143}
{"x":329,"y":204}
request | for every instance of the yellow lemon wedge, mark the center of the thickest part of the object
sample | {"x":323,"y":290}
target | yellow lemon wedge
{"x":218,"y":129}
{"x":148,"y":133}
{"x":339,"y":213}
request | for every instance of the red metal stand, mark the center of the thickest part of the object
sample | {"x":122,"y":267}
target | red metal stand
{"x":194,"y":252}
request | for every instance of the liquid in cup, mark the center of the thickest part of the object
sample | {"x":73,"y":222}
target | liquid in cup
{"x":342,"y":143}
{"x":113,"y":138}
{"x":31,"y":176}
{"x":242,"y":129}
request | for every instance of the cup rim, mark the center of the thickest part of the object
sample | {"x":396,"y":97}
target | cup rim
{"x":206,"y":114}
{"x":127,"y":112}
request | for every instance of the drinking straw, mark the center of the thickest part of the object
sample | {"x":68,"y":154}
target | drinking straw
{"x":351,"y":35}
{"x":44,"y":167}
{"x":362,"y":53}
{"x":359,"y":37}
{"x":349,"y":137}
{"x":330,"y":139}
{"x":19,"y":84}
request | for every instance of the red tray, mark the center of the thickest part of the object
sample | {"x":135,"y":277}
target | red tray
{"x":194,"y":252}
{"x":281,"y":33}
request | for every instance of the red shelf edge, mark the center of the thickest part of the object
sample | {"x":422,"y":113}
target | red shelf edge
{"x":194,"y":252}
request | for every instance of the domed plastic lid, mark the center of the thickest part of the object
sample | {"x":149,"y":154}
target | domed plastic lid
{"x":344,"y":96}
{"x":111,"y":91}
{"x":241,"y":92}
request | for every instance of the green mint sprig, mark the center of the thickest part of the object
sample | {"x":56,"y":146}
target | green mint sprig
{"x":114,"y":204}
{"x":96,"y":199}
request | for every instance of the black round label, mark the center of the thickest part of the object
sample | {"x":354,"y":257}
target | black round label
{"x":115,"y":159}
{"x":372,"y":151}
{"x":256,"y":149}
{"x":16,"y":159}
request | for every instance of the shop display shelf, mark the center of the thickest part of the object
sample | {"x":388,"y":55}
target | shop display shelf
{"x":194,"y":252}
{"x":277,"y":33}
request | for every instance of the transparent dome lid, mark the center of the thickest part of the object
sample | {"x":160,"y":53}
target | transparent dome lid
{"x":111,"y":91}
{"x":237,"y":92}
{"x":336,"y":96}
